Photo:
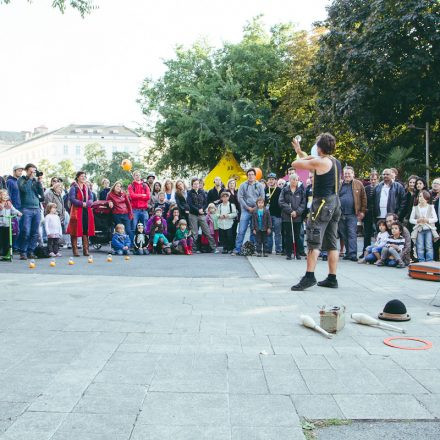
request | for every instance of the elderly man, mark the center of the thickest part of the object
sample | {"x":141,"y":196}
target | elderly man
{"x":273,"y":192}
{"x":389,"y":197}
{"x":353,"y":207}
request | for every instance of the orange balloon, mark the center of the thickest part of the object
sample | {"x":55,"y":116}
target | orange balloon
{"x":258,"y":173}
{"x":126,"y":165}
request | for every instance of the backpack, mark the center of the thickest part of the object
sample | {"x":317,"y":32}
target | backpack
{"x":41,"y":252}
{"x":248,"y":249}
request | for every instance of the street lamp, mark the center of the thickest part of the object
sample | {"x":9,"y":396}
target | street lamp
{"x":426,"y":129}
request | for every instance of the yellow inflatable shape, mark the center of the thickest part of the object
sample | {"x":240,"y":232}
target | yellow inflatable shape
{"x":227,"y":168}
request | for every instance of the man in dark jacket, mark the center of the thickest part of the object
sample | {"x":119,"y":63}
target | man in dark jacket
{"x":214,"y":193}
{"x":389,"y":196}
{"x":2,"y":183}
{"x":369,"y":220}
{"x":196,"y":200}
{"x":30,"y":190}
{"x":272,"y":193}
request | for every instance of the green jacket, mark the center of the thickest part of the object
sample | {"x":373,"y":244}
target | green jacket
{"x":29,"y":190}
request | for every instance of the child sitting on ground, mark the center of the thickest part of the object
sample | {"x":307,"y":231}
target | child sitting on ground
{"x":140,"y":241}
{"x":183,"y":237}
{"x":120,"y":240}
{"x":6,"y":210}
{"x":392,"y":251}
{"x":54,"y":230}
{"x":157,"y":229}
{"x":261,"y":224}
{"x":372,"y":253}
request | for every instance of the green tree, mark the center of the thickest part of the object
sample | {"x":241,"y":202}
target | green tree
{"x":83,"y":6}
{"x":96,"y":164}
{"x":233,"y":98}
{"x":377,"y":70}
{"x":66,"y":170}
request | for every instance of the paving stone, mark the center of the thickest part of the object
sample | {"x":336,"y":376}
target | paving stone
{"x":317,"y":407}
{"x":280,"y":362}
{"x":176,"y":409}
{"x":399,"y":381}
{"x":263,"y":433}
{"x":244,"y":361}
{"x":286,"y":382}
{"x":247,"y":382}
{"x":112,"y":425}
{"x":316,"y":362}
{"x":430,"y":379}
{"x":165,"y":432}
{"x":431,"y":402}
{"x":387,"y":406}
{"x":10,"y":410}
{"x":262,"y":410}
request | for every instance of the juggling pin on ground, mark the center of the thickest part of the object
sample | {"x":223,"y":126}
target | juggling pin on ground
{"x":363,"y":318}
{"x":307,"y":321}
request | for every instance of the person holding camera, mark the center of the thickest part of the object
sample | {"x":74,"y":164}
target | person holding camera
{"x":30,"y":192}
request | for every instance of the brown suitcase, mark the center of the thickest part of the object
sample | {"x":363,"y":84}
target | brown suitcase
{"x":425,"y":271}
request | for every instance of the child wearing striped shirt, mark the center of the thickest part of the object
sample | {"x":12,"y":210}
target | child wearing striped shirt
{"x":392,"y":251}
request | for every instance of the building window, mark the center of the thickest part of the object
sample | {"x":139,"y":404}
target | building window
{"x":65,"y":150}
{"x":78,"y":150}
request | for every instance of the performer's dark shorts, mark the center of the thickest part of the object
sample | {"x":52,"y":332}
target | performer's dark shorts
{"x":322,"y":224}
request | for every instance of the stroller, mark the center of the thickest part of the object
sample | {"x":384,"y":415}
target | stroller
{"x":103,"y":224}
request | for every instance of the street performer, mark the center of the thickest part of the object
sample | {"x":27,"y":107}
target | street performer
{"x":322,"y":223}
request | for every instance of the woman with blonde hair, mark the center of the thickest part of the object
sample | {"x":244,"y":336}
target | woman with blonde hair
{"x":168,"y":189}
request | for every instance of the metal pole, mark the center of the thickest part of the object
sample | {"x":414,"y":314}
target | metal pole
{"x":427,"y":152}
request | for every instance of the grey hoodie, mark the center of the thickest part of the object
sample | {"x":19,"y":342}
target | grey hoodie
{"x":249,"y":193}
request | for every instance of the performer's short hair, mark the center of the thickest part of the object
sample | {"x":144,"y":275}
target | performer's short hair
{"x":327,"y":143}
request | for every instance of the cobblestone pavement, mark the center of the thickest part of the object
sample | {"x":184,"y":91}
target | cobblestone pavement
{"x":202,"y":347}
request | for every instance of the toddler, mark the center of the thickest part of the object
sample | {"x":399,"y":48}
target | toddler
{"x":392,"y":251}
{"x":372,"y":253}
{"x":212,"y":221}
{"x":183,"y":237}
{"x":261,"y":225}
{"x":140,"y":242}
{"x":54,"y":230}
{"x":120,"y":241}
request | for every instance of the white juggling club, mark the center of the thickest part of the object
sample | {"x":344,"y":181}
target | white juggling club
{"x":307,"y":321}
{"x":433,"y":314}
{"x":363,"y":318}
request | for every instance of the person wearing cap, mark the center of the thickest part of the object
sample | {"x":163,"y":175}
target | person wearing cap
{"x":272,"y":193}
{"x":14,"y":196}
{"x":227,"y":213}
{"x":150,"y":181}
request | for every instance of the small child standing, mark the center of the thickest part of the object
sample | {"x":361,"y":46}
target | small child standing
{"x":392,"y":251}
{"x":54,"y":230}
{"x":162,"y":203}
{"x":140,"y":241}
{"x":227,"y":212}
{"x":120,"y":241}
{"x":372,"y":253}
{"x":212,"y":221}
{"x":6,"y":210}
{"x":183,"y":237}
{"x":261,"y":224}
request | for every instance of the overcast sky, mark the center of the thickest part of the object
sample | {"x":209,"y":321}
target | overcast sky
{"x":60,"y":69}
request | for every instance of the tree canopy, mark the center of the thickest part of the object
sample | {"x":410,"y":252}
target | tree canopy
{"x":83,"y":6}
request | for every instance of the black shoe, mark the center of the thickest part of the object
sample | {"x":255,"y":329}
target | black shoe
{"x":303,"y":254}
{"x":224,"y":251}
{"x":23,"y":257}
{"x":361,"y":255}
{"x":346,"y":257}
{"x":353,"y":258}
{"x":324,"y":258}
{"x":32,"y":256}
{"x":298,"y":257}
{"x":288,"y":257}
{"x":333,"y":284}
{"x":304,"y":283}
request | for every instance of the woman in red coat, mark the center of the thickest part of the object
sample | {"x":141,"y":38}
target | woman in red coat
{"x":81,"y":223}
{"x":119,"y":203}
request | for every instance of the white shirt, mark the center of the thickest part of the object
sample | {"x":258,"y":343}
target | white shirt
{"x":52,"y":224}
{"x":424,"y":212}
{"x":383,"y":202}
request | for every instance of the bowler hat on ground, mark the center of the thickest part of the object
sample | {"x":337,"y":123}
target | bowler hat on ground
{"x":394,"y":310}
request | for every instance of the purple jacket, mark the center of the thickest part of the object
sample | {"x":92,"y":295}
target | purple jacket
{"x":150,"y":224}
{"x":76,"y":202}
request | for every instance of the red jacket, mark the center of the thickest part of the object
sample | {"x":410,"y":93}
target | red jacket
{"x":139,"y":195}
{"x":121,"y":203}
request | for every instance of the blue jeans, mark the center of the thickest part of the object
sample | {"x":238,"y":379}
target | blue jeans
{"x":348,"y":232}
{"x":123,"y":219}
{"x":30,"y":223}
{"x":122,"y":252}
{"x":370,"y":257}
{"x":245,"y":222}
{"x":139,"y":216}
{"x":425,"y":249}
{"x":276,"y":230}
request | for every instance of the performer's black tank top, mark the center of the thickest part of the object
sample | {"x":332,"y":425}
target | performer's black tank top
{"x":325,"y":184}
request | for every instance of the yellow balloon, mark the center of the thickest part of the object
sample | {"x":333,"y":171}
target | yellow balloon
{"x":126,"y":165}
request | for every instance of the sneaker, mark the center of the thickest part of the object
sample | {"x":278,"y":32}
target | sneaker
{"x":23,"y":257}
{"x":298,"y":257}
{"x":361,"y":261}
{"x":278,"y":253}
{"x":400,"y":264}
{"x":51,"y":254}
{"x":333,"y":284}
{"x":304,"y":283}
{"x":265,"y":255}
{"x":289,"y":257}
{"x":258,"y":254}
{"x":216,"y":251}
{"x":379,"y":263}
{"x":354,"y":258}
{"x":235,"y":254}
{"x":346,"y":257}
{"x":59,"y":254}
{"x":224,"y":251}
{"x":32,"y":256}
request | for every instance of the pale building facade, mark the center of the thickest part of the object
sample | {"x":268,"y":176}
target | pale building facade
{"x":69,"y":143}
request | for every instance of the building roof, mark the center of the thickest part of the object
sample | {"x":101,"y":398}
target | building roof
{"x":81,"y":130}
{"x":12,"y":137}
